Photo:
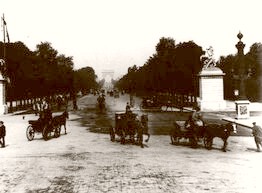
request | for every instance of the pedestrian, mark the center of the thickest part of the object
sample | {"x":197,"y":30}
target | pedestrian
{"x":128,"y":107}
{"x":257,"y":133}
{"x":2,"y":134}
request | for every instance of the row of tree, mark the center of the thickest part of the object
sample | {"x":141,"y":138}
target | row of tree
{"x":42,"y":72}
{"x":174,"y":68}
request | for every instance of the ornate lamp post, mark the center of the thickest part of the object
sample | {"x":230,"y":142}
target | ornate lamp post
{"x":241,"y":76}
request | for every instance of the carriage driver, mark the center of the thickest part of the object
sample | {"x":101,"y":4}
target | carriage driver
{"x":197,"y":117}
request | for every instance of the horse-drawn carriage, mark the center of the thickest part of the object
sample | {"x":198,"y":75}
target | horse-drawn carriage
{"x":101,"y":103}
{"x":46,"y":124}
{"x":206,"y":132}
{"x":128,"y":124}
{"x":150,"y":103}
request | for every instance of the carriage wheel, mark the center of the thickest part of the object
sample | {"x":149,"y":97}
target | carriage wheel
{"x":30,"y":133}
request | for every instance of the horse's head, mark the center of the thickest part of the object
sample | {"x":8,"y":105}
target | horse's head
{"x":230,"y":127}
{"x":234,"y":126}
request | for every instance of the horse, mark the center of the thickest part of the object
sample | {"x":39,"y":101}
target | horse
{"x":144,"y":122}
{"x":222,"y":131}
{"x":141,"y":127}
{"x":60,"y":120}
{"x":101,"y":103}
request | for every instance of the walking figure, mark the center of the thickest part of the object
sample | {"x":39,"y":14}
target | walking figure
{"x":2,"y":134}
{"x":257,"y":133}
{"x":128,"y":107}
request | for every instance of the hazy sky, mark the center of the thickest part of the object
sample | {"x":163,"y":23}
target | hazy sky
{"x":116,"y":34}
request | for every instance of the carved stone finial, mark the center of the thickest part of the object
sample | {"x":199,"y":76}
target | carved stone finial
{"x":239,"y":36}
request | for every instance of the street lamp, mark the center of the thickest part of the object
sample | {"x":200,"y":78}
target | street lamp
{"x":241,"y":74}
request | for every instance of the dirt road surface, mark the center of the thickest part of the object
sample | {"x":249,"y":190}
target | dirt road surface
{"x":84,"y":161}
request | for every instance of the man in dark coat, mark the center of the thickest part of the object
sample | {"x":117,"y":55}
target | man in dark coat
{"x":257,"y":133}
{"x":2,"y":133}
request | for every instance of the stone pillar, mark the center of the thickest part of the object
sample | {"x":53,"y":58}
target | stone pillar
{"x":242,"y":109}
{"x":211,"y":89}
{"x":3,"y":106}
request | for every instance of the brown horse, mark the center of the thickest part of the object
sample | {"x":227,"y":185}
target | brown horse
{"x":60,"y":120}
{"x":222,"y":131}
{"x":141,"y":129}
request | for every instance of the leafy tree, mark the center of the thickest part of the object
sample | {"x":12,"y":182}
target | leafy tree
{"x":85,"y":79}
{"x":173,"y":68}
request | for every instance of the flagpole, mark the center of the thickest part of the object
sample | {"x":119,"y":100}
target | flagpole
{"x":3,"y":108}
{"x":3,"y":20}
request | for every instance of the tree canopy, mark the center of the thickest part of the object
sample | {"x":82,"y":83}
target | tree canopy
{"x":172,"y":68}
{"x":252,"y":69}
{"x":41,"y":72}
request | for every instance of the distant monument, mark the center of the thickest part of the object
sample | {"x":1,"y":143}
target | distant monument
{"x":108,"y":75}
{"x":211,"y":85}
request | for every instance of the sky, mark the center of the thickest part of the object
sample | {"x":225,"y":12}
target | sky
{"x":117,"y":34}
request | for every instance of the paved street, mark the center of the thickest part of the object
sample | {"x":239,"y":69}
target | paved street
{"x":84,"y":161}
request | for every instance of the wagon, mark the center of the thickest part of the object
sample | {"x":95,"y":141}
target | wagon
{"x":150,"y":103}
{"x":187,"y":130}
{"x":124,"y":126}
{"x":42,"y":125}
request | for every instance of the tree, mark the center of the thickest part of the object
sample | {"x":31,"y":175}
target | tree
{"x":173,"y":68}
{"x":85,"y":79}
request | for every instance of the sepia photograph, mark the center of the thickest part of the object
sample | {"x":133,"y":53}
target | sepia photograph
{"x":130,"y":96}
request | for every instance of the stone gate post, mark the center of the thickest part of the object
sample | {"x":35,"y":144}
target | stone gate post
{"x":211,"y":89}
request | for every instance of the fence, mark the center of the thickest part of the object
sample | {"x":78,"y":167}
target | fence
{"x":20,"y":105}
